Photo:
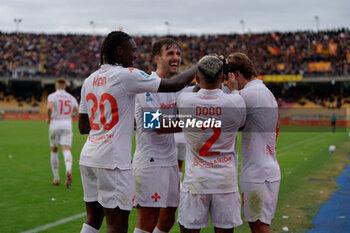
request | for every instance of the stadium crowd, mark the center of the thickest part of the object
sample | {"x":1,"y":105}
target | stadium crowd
{"x":304,"y":52}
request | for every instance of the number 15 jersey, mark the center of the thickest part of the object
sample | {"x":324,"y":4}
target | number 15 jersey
{"x":63,"y":105}
{"x":108,"y":97}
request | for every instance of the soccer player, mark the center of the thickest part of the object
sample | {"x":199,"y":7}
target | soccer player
{"x":333,"y":122}
{"x":60,"y":107}
{"x":210,"y":181}
{"x":107,"y":114}
{"x":260,"y":173}
{"x":155,"y":159}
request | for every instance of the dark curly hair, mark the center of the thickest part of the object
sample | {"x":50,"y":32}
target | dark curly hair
{"x":109,"y":45}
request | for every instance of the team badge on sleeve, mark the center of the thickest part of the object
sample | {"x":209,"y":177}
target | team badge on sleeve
{"x":151,"y":119}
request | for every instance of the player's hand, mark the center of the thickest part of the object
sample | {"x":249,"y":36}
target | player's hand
{"x":48,"y":120}
{"x":232,"y":81}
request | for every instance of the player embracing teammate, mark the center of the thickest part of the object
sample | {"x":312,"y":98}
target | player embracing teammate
{"x":210,"y":185}
{"x":107,"y":114}
{"x":207,"y":186}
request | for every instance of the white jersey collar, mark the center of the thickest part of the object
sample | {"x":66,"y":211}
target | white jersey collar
{"x":210,"y":92}
{"x":104,"y":66}
{"x":253,"y":82}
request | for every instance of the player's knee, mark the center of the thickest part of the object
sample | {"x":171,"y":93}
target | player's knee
{"x":65,"y":147}
{"x":165,"y":224}
{"x":147,"y":223}
{"x":259,"y":226}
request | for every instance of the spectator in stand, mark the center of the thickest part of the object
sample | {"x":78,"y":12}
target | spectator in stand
{"x":274,"y":53}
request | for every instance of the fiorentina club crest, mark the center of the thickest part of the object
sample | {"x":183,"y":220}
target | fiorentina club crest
{"x":155,"y":197}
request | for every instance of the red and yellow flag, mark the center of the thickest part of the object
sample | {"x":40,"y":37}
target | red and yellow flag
{"x":273,"y":50}
{"x":332,"y":48}
{"x":319,"y":48}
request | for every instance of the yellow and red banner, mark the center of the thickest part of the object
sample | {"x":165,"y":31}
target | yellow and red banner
{"x":332,"y":48}
{"x":319,"y":48}
{"x":319,"y":66}
{"x":281,"y":78}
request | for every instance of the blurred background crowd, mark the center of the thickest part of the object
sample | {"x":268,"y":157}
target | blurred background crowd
{"x":324,"y":53}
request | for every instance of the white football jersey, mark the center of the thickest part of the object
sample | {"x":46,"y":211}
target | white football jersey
{"x":154,"y":149}
{"x":63,"y":106}
{"x":259,"y":136}
{"x":180,"y":137}
{"x":210,"y":162}
{"x":108,"y":97}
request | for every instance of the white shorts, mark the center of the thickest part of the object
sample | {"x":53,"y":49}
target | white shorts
{"x":157,"y":187}
{"x":224,"y":209}
{"x":111,"y":188}
{"x":60,"y":137}
{"x":259,"y":200}
{"x":181,"y":151}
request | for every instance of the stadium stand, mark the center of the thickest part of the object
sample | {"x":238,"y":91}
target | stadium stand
{"x":308,"y":53}
{"x":313,"y":67}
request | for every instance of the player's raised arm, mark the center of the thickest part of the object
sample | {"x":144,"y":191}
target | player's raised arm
{"x":84,"y":123}
{"x":179,"y":81}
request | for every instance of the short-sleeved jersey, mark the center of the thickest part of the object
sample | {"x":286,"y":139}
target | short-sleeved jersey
{"x":259,"y":136}
{"x":108,"y":97}
{"x":180,"y":137}
{"x":210,"y":163}
{"x":63,"y":106}
{"x":154,"y":149}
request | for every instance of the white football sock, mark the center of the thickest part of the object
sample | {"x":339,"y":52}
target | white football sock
{"x":137,"y":230}
{"x":54,"y":165}
{"x":156,"y":230}
{"x":68,"y":160}
{"x":88,"y":229}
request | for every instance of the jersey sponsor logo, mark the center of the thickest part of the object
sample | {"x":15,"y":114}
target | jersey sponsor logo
{"x":106,"y":139}
{"x":131,"y":69}
{"x":99,"y":81}
{"x":144,"y":74}
{"x":213,"y":163}
{"x":151,"y":119}
{"x":148,"y":97}
{"x":168,"y":106}
{"x":61,"y":117}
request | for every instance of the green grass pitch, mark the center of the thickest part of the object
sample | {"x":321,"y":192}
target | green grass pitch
{"x":28,"y":200}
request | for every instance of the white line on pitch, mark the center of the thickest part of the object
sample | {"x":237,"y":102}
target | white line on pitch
{"x":299,"y":143}
{"x":53,"y":224}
